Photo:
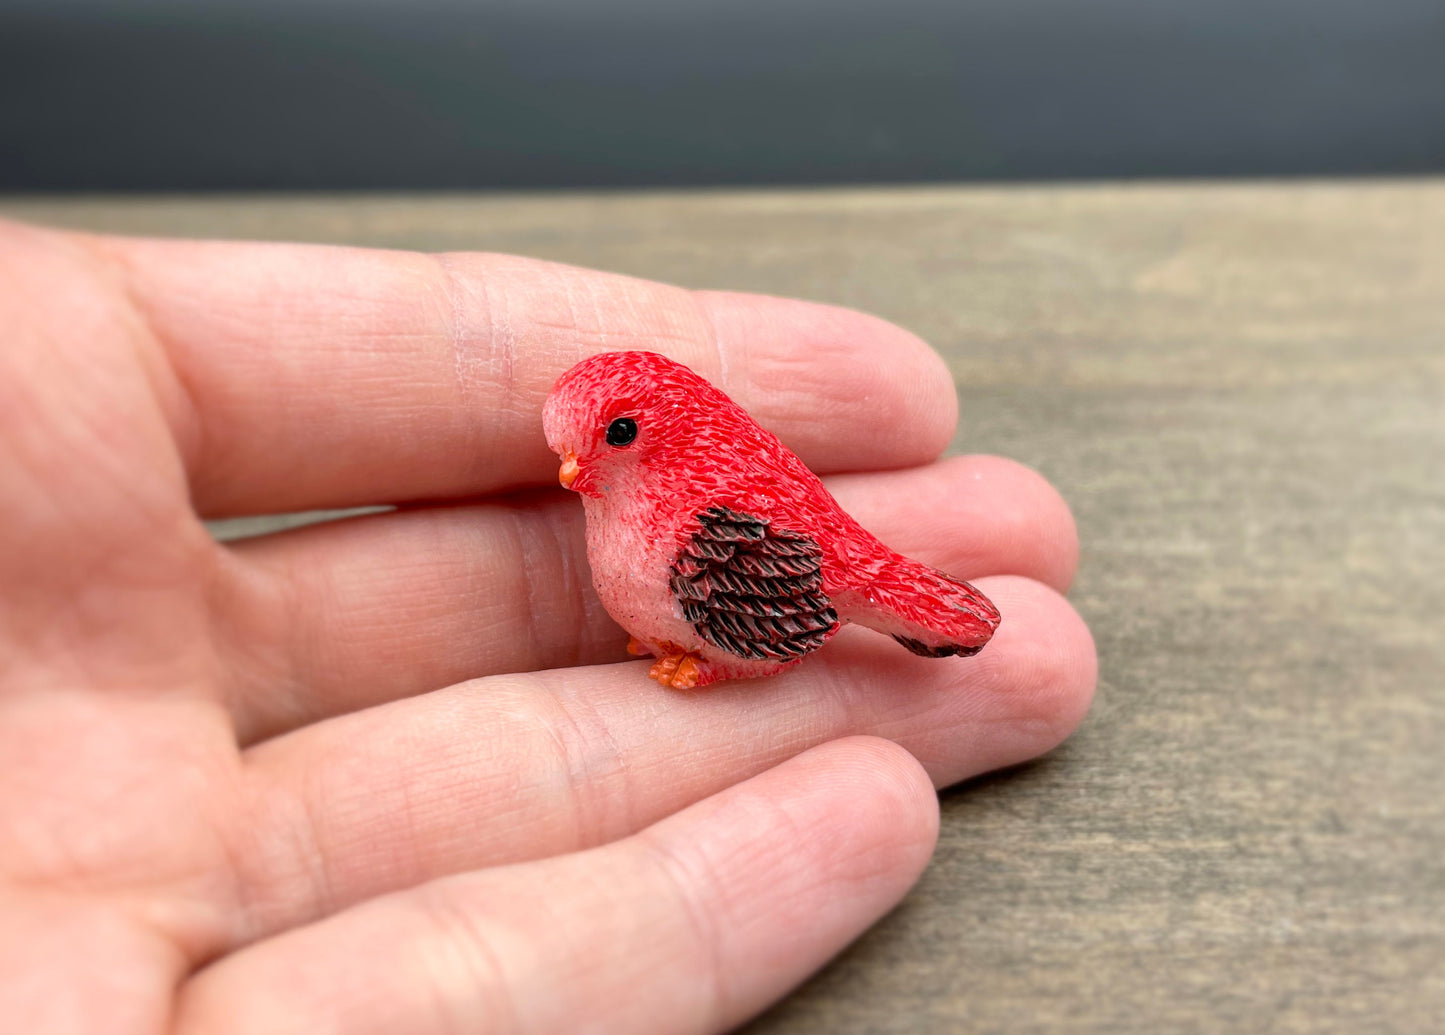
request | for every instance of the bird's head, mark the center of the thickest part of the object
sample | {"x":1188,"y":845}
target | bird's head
{"x":614,"y":415}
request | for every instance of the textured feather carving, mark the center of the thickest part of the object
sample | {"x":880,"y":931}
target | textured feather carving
{"x":753,"y":590}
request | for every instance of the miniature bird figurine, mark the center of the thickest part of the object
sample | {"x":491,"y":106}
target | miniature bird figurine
{"x":715,"y":547}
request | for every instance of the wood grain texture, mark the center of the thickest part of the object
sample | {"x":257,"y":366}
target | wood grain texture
{"x":1241,"y":390}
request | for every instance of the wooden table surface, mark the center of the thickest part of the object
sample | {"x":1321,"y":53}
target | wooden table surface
{"x":1241,"y":390}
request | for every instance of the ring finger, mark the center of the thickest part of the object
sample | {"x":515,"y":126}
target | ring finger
{"x":511,"y":768}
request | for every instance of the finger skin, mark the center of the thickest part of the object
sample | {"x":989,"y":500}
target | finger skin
{"x":92,"y":489}
{"x":333,"y":618}
{"x":692,"y":925}
{"x":73,"y":964}
{"x":520,"y":767}
{"x":324,"y":376}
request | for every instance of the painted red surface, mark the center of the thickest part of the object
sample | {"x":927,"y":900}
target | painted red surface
{"x":695,"y":449}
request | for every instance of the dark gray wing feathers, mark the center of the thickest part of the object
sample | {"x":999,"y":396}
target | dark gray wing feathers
{"x":753,"y":590}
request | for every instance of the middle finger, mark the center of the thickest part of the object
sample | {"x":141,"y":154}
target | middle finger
{"x":333,"y":618}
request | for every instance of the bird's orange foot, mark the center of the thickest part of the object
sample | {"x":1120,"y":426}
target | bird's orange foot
{"x":679,"y":671}
{"x":637,"y":648}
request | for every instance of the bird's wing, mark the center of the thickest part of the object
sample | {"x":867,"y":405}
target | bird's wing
{"x":751,"y":589}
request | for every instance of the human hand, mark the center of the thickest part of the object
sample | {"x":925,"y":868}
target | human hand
{"x":386,"y":774}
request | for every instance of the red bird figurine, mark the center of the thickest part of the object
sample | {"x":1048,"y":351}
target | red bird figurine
{"x":715,"y":547}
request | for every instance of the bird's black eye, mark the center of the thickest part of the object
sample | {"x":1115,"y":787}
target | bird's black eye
{"x":621,"y":432}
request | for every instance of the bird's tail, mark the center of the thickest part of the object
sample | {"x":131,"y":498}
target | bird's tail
{"x":928,"y":611}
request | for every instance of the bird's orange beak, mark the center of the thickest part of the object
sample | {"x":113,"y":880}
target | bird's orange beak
{"x":568,"y":474}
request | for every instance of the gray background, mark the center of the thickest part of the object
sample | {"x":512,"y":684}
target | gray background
{"x":243,"y":94}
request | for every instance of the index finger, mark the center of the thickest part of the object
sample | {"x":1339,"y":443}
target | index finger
{"x":328,"y":377}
